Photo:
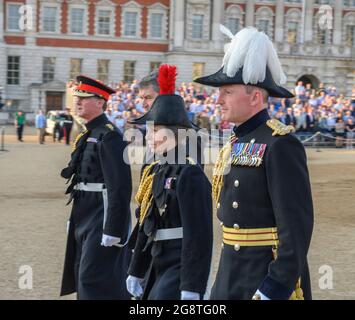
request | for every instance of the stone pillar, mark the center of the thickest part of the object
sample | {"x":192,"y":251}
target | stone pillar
{"x":308,"y":7}
{"x":31,"y":33}
{"x":337,"y":22}
{"x":217,"y":19}
{"x":179,"y":23}
{"x":279,"y":21}
{"x":249,"y":13}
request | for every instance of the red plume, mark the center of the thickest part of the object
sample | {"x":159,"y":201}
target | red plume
{"x":167,"y":78}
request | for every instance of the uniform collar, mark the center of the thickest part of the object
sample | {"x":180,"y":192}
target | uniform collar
{"x":98,"y":121}
{"x":251,"y":124}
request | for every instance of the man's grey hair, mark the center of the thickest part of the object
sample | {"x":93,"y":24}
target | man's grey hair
{"x":150,"y":80}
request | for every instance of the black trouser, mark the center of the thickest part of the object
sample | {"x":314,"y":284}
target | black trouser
{"x":19,"y":132}
{"x":67,"y":128}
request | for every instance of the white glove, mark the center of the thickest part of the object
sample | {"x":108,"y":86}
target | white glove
{"x":109,"y":241}
{"x":188,"y":295}
{"x":260,"y":295}
{"x":134,"y":286}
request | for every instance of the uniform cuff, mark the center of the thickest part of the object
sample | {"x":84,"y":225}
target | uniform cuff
{"x":274,"y":290}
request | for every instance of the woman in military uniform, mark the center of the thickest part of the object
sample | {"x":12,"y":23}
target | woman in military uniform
{"x":173,"y":236}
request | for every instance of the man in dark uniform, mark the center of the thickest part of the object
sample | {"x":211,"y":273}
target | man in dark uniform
{"x":97,"y":259}
{"x":68,"y":125}
{"x":261,"y":182}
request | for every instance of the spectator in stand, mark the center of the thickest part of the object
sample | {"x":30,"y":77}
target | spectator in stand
{"x":350,"y":133}
{"x":289,"y":118}
{"x":300,"y":90}
{"x":215,"y":119}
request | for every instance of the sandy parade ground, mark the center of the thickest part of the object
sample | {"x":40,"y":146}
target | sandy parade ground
{"x":33,"y":219}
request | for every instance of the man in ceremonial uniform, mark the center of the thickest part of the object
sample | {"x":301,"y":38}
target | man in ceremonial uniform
{"x":261,"y":182}
{"x":97,"y":259}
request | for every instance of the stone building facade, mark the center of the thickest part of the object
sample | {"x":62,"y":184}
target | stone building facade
{"x":44,"y":43}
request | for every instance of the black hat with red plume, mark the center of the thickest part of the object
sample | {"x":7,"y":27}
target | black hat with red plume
{"x":168,"y":108}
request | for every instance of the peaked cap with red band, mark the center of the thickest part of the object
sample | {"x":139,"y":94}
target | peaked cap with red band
{"x":88,"y":87}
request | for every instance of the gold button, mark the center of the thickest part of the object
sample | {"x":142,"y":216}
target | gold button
{"x":236,"y":247}
{"x":222,"y":246}
{"x":235,"y":205}
{"x":221,"y":224}
{"x":236,"y":183}
{"x":218,"y":205}
{"x":252,"y":140}
{"x":236,"y":226}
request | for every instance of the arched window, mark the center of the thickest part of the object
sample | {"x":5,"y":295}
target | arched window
{"x":293,"y":26}
{"x":349,"y":29}
{"x":264,"y":21}
{"x":234,"y":18}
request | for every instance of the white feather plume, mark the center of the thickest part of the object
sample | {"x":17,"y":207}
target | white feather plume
{"x":226,"y":31}
{"x":253,"y":51}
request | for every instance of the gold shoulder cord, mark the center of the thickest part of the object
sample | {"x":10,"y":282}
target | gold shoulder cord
{"x":144,"y":196}
{"x":224,"y":158}
{"x":298,"y":293}
{"x":279,"y":129}
{"x":77,"y":139}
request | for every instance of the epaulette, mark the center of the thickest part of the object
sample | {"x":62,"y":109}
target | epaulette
{"x":190,"y":161}
{"x":279,"y":128}
{"x":110,"y":126}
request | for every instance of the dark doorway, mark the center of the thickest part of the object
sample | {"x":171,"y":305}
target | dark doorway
{"x":308,"y":78}
{"x":54,"y":101}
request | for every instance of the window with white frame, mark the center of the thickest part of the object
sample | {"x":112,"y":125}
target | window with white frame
{"x":233,"y":25}
{"x":264,"y":25}
{"x":131,"y":16}
{"x":156,"y":25}
{"x":348,"y":29}
{"x":264,"y":18}
{"x":104,"y":22}
{"x":350,"y":36}
{"x":13,"y":70}
{"x":320,"y":2}
{"x":49,"y":18}
{"x":198,"y":69}
{"x":77,"y":22}
{"x":103,"y":70}
{"x":131,"y":24}
{"x":197,"y":26}
{"x":48,"y":69}
{"x":75,"y":67}
{"x":293,"y":22}
{"x":129,"y":68}
{"x":13,"y":17}
{"x":234,"y":18}
{"x":349,"y":3}
{"x":292,"y":32}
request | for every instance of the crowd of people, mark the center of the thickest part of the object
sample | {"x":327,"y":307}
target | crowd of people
{"x":321,"y":109}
